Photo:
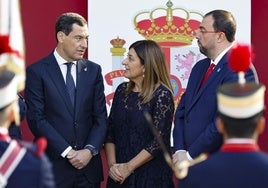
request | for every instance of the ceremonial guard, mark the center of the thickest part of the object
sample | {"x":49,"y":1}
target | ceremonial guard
{"x":22,"y":164}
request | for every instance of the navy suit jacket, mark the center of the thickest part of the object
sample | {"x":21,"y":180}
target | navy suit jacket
{"x":195,"y":117}
{"x":229,"y":170}
{"x":51,"y":114}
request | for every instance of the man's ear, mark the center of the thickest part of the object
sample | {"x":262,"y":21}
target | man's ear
{"x":14,"y":113}
{"x":260,"y":125}
{"x":220,"y":125}
{"x":60,"y":36}
{"x":11,"y":116}
{"x":221,"y":36}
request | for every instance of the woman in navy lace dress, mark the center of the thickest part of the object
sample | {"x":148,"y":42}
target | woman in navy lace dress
{"x":133,"y":154}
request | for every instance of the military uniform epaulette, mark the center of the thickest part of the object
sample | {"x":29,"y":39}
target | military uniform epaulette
{"x":37,"y":148}
{"x":10,"y":160}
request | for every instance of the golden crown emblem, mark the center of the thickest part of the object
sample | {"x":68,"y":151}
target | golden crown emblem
{"x":168,"y":27}
{"x":117,"y":42}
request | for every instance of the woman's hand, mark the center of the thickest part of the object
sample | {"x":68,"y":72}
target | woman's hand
{"x":125,"y":170}
{"x":115,"y":174}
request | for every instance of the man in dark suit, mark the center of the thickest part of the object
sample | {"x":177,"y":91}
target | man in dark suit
{"x":195,"y":129}
{"x":74,"y":123}
{"x":240,"y":162}
{"x":22,"y":164}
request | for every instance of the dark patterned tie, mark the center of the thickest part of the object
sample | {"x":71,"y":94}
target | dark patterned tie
{"x":70,"y":82}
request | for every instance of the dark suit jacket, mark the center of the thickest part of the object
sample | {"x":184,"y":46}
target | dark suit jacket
{"x":51,"y":114}
{"x":195,"y":117}
{"x":242,"y":169}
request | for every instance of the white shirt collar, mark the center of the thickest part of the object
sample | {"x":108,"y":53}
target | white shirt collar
{"x":3,"y":130}
{"x":218,"y":58}
{"x":59,"y":59}
{"x":240,"y":141}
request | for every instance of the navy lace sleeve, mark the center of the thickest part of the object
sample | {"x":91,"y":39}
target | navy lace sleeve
{"x":162,"y":116}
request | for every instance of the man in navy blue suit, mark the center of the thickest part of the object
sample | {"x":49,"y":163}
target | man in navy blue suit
{"x":22,"y":164}
{"x":195,"y":129}
{"x":240,"y":162}
{"x":74,"y":124}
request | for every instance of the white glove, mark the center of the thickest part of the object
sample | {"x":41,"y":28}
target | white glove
{"x":179,"y":156}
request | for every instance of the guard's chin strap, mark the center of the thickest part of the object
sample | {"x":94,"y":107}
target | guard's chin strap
{"x":10,"y":160}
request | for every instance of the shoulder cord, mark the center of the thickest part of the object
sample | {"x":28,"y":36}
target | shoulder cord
{"x":10,"y":160}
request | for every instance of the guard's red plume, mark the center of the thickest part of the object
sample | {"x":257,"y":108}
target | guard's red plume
{"x":240,"y":57}
{"x":41,"y":144}
{"x":4,"y":44}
